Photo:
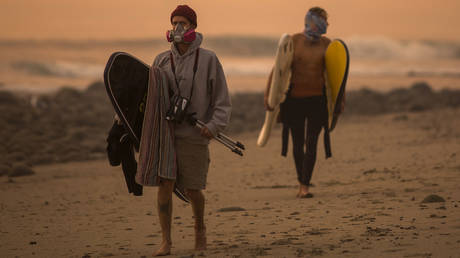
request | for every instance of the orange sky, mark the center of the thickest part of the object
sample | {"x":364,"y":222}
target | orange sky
{"x":108,"y":19}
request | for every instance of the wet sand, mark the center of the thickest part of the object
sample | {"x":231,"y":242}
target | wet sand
{"x":368,"y":200}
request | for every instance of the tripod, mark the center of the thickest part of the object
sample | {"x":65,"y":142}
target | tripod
{"x":234,"y":146}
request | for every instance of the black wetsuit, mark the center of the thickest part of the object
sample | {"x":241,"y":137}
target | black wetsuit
{"x":295,"y":114}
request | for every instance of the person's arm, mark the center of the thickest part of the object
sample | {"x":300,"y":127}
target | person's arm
{"x":267,"y":91}
{"x":220,"y":100}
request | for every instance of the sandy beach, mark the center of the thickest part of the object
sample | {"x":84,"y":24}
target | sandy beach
{"x":368,"y":200}
{"x":391,"y":188}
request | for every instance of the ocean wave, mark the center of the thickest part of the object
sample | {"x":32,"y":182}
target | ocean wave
{"x":254,"y":56}
{"x":366,"y":47}
{"x":409,"y":70}
{"x":262,"y":67}
{"x":386,"y":48}
{"x":360,"y":47}
{"x":59,"y":69}
{"x":247,"y":67}
{"x":377,"y":47}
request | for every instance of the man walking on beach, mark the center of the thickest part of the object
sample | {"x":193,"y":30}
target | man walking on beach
{"x":305,"y":100}
{"x":196,"y":75}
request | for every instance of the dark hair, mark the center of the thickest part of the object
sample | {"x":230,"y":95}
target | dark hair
{"x":319,"y":11}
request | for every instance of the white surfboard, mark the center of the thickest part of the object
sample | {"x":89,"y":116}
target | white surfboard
{"x":281,"y":77}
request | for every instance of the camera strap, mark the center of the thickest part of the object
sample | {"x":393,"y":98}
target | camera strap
{"x":195,"y":66}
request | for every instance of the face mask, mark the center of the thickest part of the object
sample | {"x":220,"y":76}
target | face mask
{"x":179,"y":35}
{"x":320,"y":24}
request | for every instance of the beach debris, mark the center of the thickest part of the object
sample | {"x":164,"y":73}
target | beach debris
{"x":370,"y":231}
{"x":233,"y":208}
{"x":435,"y":216}
{"x":433,"y":198}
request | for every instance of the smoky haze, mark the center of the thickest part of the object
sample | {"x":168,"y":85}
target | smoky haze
{"x":104,"y":19}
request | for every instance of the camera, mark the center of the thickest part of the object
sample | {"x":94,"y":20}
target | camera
{"x":178,"y":109}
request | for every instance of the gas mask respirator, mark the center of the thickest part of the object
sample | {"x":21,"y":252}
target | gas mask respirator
{"x":179,"y":35}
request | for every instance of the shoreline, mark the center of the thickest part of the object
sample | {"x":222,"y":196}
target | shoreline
{"x":244,"y":81}
{"x":241,"y":84}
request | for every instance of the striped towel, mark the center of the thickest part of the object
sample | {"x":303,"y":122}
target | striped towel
{"x":157,"y":157}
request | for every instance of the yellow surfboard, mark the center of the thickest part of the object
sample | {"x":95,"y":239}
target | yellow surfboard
{"x":337,"y":61}
{"x":281,"y":77}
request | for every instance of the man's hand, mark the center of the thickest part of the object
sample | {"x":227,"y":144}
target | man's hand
{"x":206,"y":133}
{"x":117,"y":119}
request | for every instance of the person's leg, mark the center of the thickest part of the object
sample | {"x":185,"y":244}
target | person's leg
{"x":193,"y":160}
{"x":313,"y":130}
{"x":165,"y":213}
{"x":198,"y":201}
{"x":315,"y":121}
{"x":298,"y":143}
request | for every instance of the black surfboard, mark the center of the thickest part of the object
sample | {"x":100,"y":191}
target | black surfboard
{"x":126,"y":80}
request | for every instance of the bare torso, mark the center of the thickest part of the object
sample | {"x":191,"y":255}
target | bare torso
{"x":308,"y":66}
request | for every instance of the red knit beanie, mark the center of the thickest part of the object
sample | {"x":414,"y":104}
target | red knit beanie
{"x":185,"y":11}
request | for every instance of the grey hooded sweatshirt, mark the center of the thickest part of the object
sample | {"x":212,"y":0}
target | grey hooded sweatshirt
{"x":210,"y":100}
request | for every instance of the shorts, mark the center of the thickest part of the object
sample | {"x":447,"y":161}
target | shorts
{"x":192,"y":163}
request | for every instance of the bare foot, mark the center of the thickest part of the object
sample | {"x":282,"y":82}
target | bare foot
{"x":165,"y":249}
{"x":308,"y":195}
{"x":200,"y":240}
{"x":303,"y":191}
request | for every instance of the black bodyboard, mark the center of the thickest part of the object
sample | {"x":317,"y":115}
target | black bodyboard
{"x":126,"y":80}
